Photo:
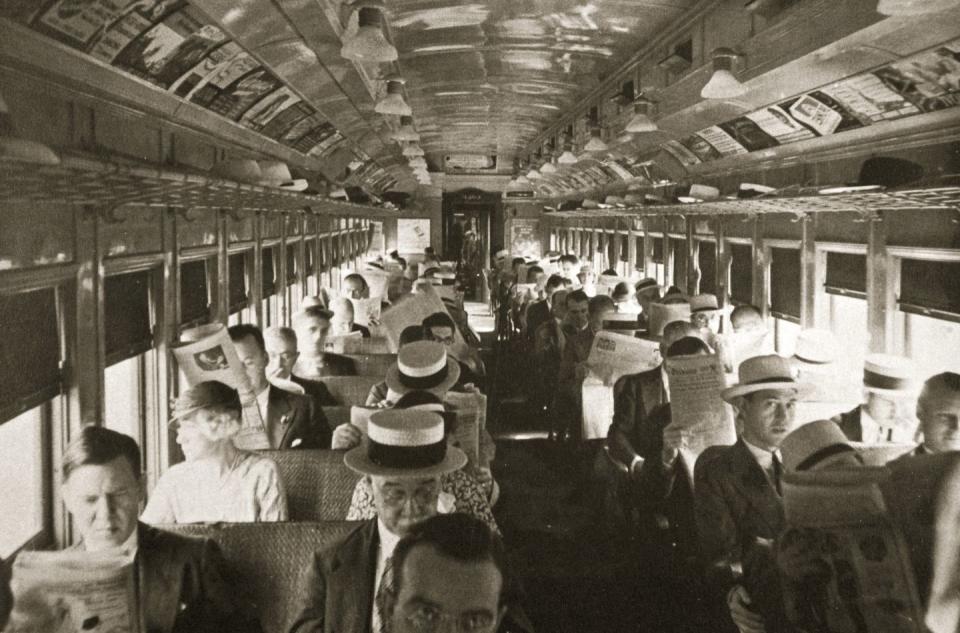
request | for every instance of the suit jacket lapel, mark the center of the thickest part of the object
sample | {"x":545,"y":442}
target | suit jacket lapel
{"x":651,"y":390}
{"x":158,"y":583}
{"x":351,"y":581}
{"x":756,"y":489}
{"x":278,"y":406}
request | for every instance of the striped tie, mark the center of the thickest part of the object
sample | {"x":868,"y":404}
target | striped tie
{"x":380,"y":601}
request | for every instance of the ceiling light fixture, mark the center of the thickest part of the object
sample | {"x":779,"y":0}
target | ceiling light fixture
{"x":641,"y":122}
{"x":723,"y":83}
{"x":412,"y":150}
{"x":548,"y":168}
{"x":595,"y":144}
{"x":522,"y":180}
{"x":369,"y":44}
{"x":393,"y":102}
{"x":418,"y":163}
{"x":533,"y":174}
{"x":914,"y":7}
{"x":406,"y":131}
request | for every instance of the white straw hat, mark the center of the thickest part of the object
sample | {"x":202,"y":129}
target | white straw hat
{"x":275,"y":173}
{"x":423,"y":366}
{"x":812,"y":444}
{"x":770,"y":372}
{"x":705,"y":302}
{"x":816,"y":347}
{"x":405,"y":443}
{"x":889,"y":374}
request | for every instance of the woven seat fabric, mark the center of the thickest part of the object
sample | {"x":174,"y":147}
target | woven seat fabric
{"x":351,"y":390}
{"x":318,"y":484}
{"x":372,"y":364}
{"x":268,"y":560}
{"x":336,"y":416}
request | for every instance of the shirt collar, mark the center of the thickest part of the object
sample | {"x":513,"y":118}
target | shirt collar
{"x":869,"y":428}
{"x":129,"y":546}
{"x":388,"y":540}
{"x":762,"y":455}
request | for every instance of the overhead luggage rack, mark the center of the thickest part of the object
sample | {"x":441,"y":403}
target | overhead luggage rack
{"x":921,"y":199}
{"x":91,"y":180}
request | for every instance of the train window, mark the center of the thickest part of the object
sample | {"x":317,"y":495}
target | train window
{"x":785,"y":282}
{"x":929,"y":285}
{"x":194,"y":294}
{"x":310,"y":264}
{"x":292,"y":263}
{"x":848,"y":314}
{"x":29,"y":350}
{"x":932,"y":343}
{"x":707,"y":263}
{"x":846,"y":274}
{"x":270,"y":307}
{"x":238,"y":292}
{"x":658,"y":250}
{"x":127,"y":316}
{"x":21,"y":470}
{"x":741,"y":273}
{"x":679,"y":248}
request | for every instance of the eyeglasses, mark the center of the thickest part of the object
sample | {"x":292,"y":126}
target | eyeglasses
{"x":397,"y":497}
{"x":428,"y":619}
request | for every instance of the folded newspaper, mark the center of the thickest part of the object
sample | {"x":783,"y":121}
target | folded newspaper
{"x":841,"y":541}
{"x":614,"y":355}
{"x":412,"y":310}
{"x":470,"y":410}
{"x":366,"y":311}
{"x":72,"y":591}
{"x":207,"y":353}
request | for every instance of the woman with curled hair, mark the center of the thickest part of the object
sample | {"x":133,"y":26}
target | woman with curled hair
{"x":218,"y":481}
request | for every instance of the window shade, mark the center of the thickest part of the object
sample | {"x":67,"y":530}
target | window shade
{"x":291,"y":263}
{"x":785,"y":281}
{"x":269,"y":277}
{"x":930,"y":285}
{"x":126,"y":300}
{"x":741,"y":273}
{"x":29,"y":350}
{"x":657,"y":250}
{"x":679,"y":263}
{"x":194,"y":296}
{"x":238,"y":282}
{"x":335,"y":250}
{"x":707,"y":263}
{"x":846,"y":272}
{"x":310,"y":261}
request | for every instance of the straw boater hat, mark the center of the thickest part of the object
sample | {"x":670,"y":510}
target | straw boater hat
{"x":705,"y":302}
{"x":646,"y":285}
{"x":760,"y":373}
{"x":405,"y":443}
{"x":275,"y":173}
{"x":423,"y":365}
{"x":816,"y":347}
{"x":814,"y":445}
{"x":888,"y":374}
{"x":662,"y":314}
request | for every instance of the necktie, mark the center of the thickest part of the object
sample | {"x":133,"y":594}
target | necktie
{"x":777,"y":472}
{"x":380,"y":601}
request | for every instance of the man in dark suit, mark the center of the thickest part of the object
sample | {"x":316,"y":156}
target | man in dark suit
{"x":573,"y":361}
{"x":737,"y":500}
{"x":888,"y":395}
{"x":181,"y":586}
{"x":340,"y":590}
{"x":539,"y":312}
{"x":292,"y":420}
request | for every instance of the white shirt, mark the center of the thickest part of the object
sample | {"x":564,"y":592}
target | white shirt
{"x":388,"y":543}
{"x":765,"y":459}
{"x":870,"y":429}
{"x":128,"y":547}
{"x":250,"y":492}
{"x":263,"y":401}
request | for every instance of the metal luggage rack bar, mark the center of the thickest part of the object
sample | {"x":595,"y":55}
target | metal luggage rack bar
{"x":91,"y":180}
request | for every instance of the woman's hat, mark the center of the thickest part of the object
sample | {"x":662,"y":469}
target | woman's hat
{"x":888,"y":374}
{"x":816,"y":347}
{"x":769,"y":372}
{"x":210,"y":393}
{"x":423,"y":365}
{"x":405,"y":443}
{"x":811,"y":445}
{"x":705,"y":302}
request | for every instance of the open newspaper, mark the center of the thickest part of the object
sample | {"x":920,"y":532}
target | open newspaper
{"x":856,"y":575}
{"x":378,"y":281}
{"x":207,"y":353}
{"x":343,"y":343}
{"x":470,"y":410}
{"x":614,"y":355}
{"x":366,"y":311}
{"x":597,"y":407}
{"x":606,"y":284}
{"x":699,"y":416}
{"x":412,"y":310}
{"x":74,"y":590}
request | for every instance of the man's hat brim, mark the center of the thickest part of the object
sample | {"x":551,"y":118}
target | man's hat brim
{"x":802,"y":389}
{"x":357,"y":460}
{"x":395,"y":385}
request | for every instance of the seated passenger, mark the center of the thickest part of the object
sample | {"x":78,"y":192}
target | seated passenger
{"x":312,"y":326}
{"x":440,"y":328}
{"x":404,"y":458}
{"x":750,"y":336}
{"x":380,"y":395}
{"x":282,"y":355}
{"x":623,"y":299}
{"x":938,"y":410}
{"x":888,"y":392}
{"x":449,"y":567}
{"x":569,"y":267}
{"x":460,"y":490}
{"x":737,"y":492}
{"x":182,"y":584}
{"x":646,"y":291}
{"x":292,"y":420}
{"x":218,"y":482}
{"x":342,"y":322}
{"x":538,"y":312}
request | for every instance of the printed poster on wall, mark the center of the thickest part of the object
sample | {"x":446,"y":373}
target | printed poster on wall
{"x":930,"y":80}
{"x":681,"y":153}
{"x":870,"y":99}
{"x":413,"y":234}
{"x":104,"y":26}
{"x":776,"y":122}
{"x":748,"y":134}
{"x":699,"y":146}
{"x":723,"y":142}
{"x":821,"y":113}
{"x":525,"y":238}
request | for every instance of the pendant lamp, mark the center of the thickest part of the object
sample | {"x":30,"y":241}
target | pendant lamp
{"x":369,"y":44}
{"x":412,"y":150}
{"x":393,"y":103}
{"x":406,"y":131}
{"x":641,"y":122}
{"x":595,"y":144}
{"x":723,"y":83}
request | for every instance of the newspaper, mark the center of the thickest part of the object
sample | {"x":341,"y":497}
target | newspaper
{"x":699,"y":416}
{"x":597,"y":407}
{"x":614,"y":355}
{"x":849,"y":548}
{"x":208,"y":354}
{"x":470,"y":410}
{"x":360,"y":417}
{"x":366,"y":311}
{"x":607,"y":283}
{"x":412,"y":310}
{"x":74,"y":590}
{"x":378,"y":281}
{"x":343,"y":343}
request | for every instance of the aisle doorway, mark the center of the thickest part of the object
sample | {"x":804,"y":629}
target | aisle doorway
{"x":470,"y":218}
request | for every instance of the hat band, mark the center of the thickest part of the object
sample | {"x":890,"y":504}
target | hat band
{"x":705,"y":309}
{"x":874,"y":380}
{"x":760,"y":381}
{"x":822,"y":454}
{"x":423,"y":382}
{"x":812,"y":361}
{"x":406,"y":457}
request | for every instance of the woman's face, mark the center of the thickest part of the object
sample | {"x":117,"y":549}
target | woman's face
{"x":194,"y":437}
